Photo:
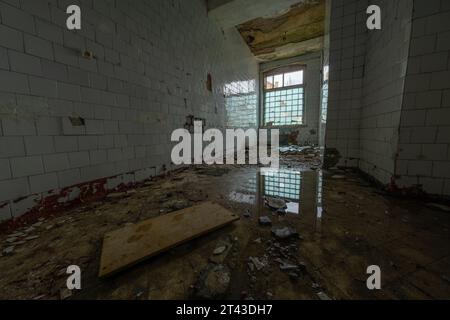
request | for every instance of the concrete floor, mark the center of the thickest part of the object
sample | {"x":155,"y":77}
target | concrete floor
{"x":344,"y":225}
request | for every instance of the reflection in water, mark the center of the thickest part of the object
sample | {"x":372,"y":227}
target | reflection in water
{"x":302,"y":192}
{"x":293,"y":207}
{"x":319,"y":201}
{"x":284,"y":184}
{"x":242,"y":197}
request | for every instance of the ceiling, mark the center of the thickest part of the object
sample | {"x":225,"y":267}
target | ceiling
{"x":275,"y":29}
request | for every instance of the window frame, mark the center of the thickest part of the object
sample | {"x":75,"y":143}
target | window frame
{"x":277,"y":71}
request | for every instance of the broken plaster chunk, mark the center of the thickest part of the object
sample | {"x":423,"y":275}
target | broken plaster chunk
{"x":31,"y":238}
{"x":11,"y":240}
{"x":257,"y":263}
{"x":323,"y":296}
{"x":285,"y":266}
{"x":214,"y":282}
{"x":65,"y":294}
{"x":219,"y":250}
{"x":8,"y":251}
{"x":275,"y":203}
{"x":284,"y":232}
{"x":265,"y":221}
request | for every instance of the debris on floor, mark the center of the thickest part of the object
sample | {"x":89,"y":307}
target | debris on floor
{"x":265,"y":221}
{"x":213,"y":283}
{"x":323,"y":296}
{"x":330,"y":228}
{"x":284,"y":232}
{"x":275,"y":204}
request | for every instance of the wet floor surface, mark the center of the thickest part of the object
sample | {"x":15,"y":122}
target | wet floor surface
{"x":318,"y":246}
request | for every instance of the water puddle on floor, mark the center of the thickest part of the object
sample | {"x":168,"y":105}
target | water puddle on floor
{"x":283,"y":192}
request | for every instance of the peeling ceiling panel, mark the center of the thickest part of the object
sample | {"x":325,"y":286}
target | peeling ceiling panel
{"x":230,"y":13}
{"x":297,"y":31}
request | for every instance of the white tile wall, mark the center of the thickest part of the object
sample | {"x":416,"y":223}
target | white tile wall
{"x":393,"y":122}
{"x":424,"y":152}
{"x":151,"y":60}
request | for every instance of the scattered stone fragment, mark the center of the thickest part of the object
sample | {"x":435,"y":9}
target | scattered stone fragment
{"x":18,"y":243}
{"x":8,"y":251}
{"x":65,"y":294}
{"x":37,"y":224}
{"x":17,"y":235}
{"x":49,"y":227}
{"x":316,"y":286}
{"x":30,"y":229}
{"x":285,"y":266}
{"x":247,"y":214}
{"x":265,"y":221}
{"x":257,"y":240}
{"x":284,"y":232}
{"x":176,"y":204}
{"x":338,"y":177}
{"x":275,"y":203}
{"x":288,"y":267}
{"x":259,"y":264}
{"x":213,"y":282}
{"x":323,"y":296}
{"x":11,"y":240}
{"x":219,"y":250}
{"x":31,"y":238}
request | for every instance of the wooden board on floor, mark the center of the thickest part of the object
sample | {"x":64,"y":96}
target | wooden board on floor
{"x":128,"y":246}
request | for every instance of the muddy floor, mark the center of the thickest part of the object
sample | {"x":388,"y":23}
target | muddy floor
{"x":303,"y":233}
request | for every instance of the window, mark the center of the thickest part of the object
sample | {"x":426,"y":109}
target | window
{"x":241,"y":104}
{"x":284,"y":97}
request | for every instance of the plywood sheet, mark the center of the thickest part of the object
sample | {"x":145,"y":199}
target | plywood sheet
{"x":127,"y":246}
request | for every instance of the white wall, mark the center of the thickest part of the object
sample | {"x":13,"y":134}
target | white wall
{"x":150,"y":69}
{"x":347,"y":58}
{"x":396,"y":127}
{"x":383,"y":85}
{"x":424,"y":152}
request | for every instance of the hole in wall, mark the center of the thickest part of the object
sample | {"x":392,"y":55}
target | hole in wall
{"x":77,"y":121}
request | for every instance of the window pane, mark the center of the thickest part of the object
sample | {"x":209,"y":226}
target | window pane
{"x":278,"y":81}
{"x":293,"y":78}
{"x":268,"y":82}
{"x":283,"y":107}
